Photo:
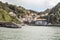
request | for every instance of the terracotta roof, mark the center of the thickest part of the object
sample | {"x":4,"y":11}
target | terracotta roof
{"x":40,"y":19}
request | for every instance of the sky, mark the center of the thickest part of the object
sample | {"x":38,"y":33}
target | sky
{"x":36,"y":5}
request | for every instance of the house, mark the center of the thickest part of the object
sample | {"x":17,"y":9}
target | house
{"x":12,"y":14}
{"x":42,"y":14}
{"x":41,"y":22}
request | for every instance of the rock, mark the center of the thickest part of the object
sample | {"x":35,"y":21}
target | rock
{"x":9,"y":25}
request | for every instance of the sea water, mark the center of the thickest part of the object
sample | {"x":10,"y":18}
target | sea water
{"x":30,"y":33}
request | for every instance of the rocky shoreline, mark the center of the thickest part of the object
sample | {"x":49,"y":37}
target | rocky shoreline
{"x":9,"y":25}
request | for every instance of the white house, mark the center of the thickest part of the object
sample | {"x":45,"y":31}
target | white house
{"x":41,"y":22}
{"x":12,"y":14}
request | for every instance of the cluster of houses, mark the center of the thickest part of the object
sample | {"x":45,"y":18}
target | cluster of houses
{"x":32,"y":18}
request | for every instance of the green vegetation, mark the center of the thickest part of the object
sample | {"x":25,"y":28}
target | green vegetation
{"x":5,"y":17}
{"x":54,"y":15}
{"x":5,"y":8}
{"x":9,"y":7}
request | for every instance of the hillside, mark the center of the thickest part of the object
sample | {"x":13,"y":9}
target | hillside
{"x":54,"y":15}
{"x":19,"y":11}
{"x":5,"y":8}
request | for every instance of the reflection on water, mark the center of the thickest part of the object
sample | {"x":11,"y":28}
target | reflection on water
{"x":30,"y":33}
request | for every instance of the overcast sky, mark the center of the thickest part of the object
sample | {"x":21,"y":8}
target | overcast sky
{"x":37,"y":5}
